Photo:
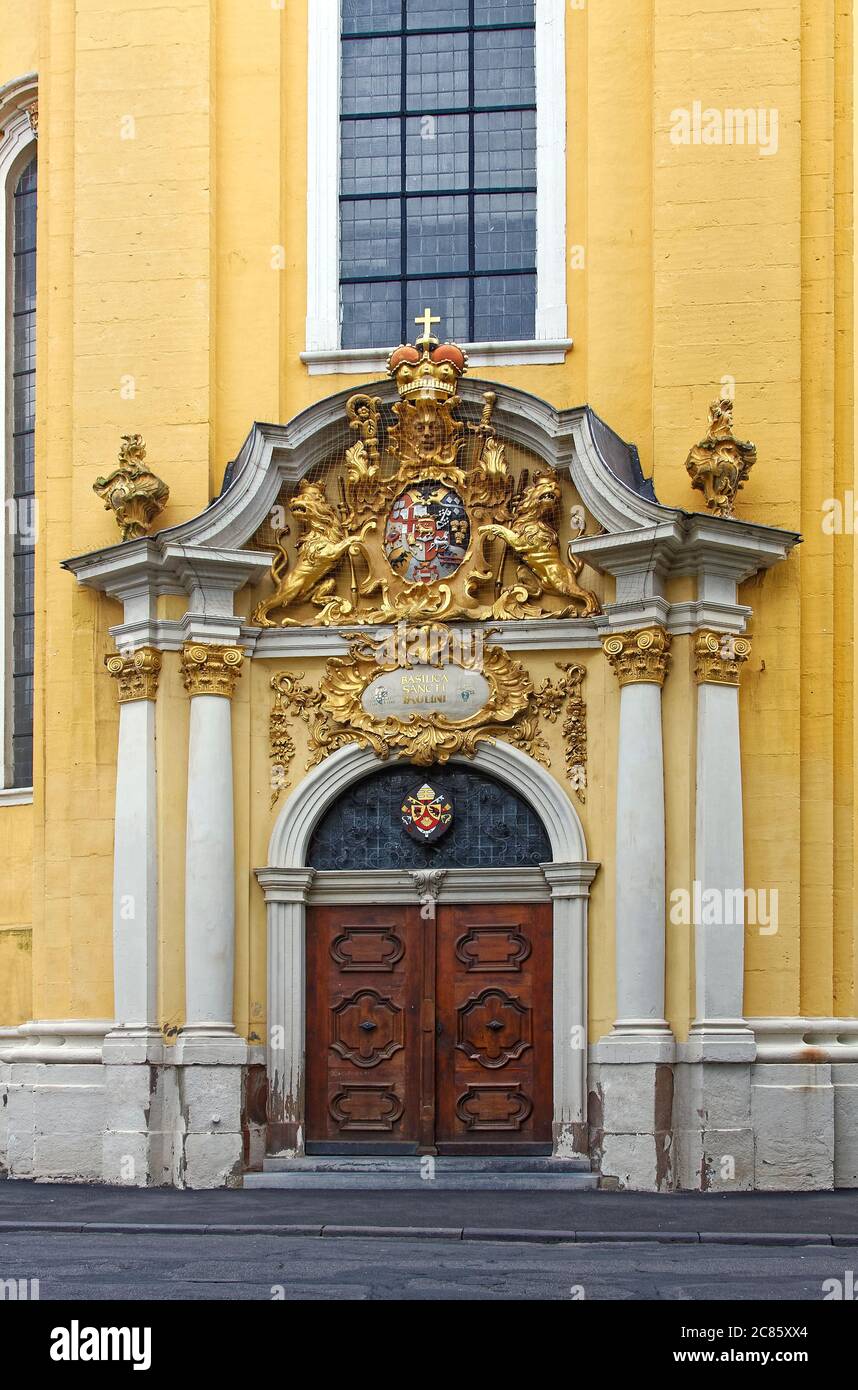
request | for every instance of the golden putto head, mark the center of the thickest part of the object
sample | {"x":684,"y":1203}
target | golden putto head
{"x":429,"y":368}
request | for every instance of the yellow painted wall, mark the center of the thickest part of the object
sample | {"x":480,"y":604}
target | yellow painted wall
{"x":172,"y":149}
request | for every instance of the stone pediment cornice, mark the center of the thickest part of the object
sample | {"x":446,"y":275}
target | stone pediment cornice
{"x":642,"y":542}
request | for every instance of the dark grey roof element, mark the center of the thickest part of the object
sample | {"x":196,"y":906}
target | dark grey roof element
{"x":623,"y":459}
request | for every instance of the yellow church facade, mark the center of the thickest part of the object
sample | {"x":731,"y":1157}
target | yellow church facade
{"x":429,"y":720}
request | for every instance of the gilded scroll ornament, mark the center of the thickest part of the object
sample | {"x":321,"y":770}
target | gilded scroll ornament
{"x":641,"y":657}
{"x":132,"y":491}
{"x":291,"y":698}
{"x":428,"y":517}
{"x":719,"y":466}
{"x":136,"y":674}
{"x":368,"y":697}
{"x":719,"y":657}
{"x":564,"y":696}
{"x":211,"y":670}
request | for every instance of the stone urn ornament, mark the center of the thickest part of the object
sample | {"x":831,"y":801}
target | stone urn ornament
{"x":132,"y":491}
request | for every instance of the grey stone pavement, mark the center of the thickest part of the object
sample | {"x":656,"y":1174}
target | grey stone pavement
{"x":237,"y":1246}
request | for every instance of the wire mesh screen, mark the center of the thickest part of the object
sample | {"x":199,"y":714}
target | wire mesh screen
{"x":492,"y":826}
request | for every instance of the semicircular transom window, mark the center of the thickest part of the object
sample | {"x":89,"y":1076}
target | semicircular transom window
{"x":492,"y":827}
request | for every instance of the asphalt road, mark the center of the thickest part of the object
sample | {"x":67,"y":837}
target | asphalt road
{"x":82,"y":1267}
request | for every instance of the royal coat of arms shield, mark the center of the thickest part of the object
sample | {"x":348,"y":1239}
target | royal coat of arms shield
{"x":427,"y":533}
{"x":427,"y":814}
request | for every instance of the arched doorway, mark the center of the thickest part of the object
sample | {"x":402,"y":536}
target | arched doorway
{"x":330,"y":1087}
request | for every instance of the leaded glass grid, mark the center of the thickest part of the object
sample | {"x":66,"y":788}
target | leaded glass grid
{"x":493,"y":827}
{"x":438,"y":169}
{"x":23,"y":476}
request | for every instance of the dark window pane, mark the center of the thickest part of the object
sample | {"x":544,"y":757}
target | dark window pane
{"x":436,"y":153}
{"x":503,"y":12}
{"x":370,"y":237}
{"x":504,"y":308}
{"x":372,"y":315}
{"x":362,"y":16}
{"x":504,"y":68}
{"x":505,"y":231}
{"x":370,"y":157}
{"x":449,"y":298}
{"x":504,"y":149}
{"x":20,"y":523}
{"x":371,"y":75}
{"x":437,"y":14}
{"x":437,"y":71}
{"x":437,"y":235}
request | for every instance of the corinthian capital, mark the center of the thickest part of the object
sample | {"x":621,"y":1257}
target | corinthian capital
{"x":719,"y":657}
{"x":136,"y":674}
{"x":211,"y":670}
{"x":641,"y":657}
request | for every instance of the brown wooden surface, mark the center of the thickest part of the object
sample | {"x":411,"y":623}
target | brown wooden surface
{"x":363,"y":1026}
{"x":427,"y":1034}
{"x":494,"y":1050}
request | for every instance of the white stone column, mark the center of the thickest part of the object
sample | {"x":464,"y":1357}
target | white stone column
{"x":286,"y":896}
{"x":570,"y":892}
{"x":640,"y":660}
{"x":210,"y":674}
{"x":135,"y":853}
{"x":719,"y":854}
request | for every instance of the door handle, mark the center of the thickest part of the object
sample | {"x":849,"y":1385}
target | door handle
{"x":439,"y":1029}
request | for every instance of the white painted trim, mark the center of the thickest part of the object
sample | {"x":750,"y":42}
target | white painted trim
{"x":16,"y":796}
{"x":323,"y":353}
{"x":323,"y":165}
{"x":54,"y":1040}
{"x":16,"y":137}
{"x":373,"y":361}
{"x":551,"y":311}
{"x":345,"y":886}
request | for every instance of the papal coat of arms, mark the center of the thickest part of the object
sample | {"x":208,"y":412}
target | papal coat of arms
{"x":427,"y":814}
{"x":429,"y":522}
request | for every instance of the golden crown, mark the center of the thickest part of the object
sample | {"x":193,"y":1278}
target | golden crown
{"x":428,"y":368}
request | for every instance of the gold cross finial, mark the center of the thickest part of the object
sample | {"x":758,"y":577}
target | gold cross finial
{"x":425,"y":321}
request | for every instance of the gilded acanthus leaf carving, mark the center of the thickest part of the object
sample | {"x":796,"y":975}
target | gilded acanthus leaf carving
{"x":427,"y":519}
{"x":341,"y":711}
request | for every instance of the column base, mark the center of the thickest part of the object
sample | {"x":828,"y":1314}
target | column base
{"x":719,"y":1040}
{"x":636,"y":1040}
{"x":210,"y":1044}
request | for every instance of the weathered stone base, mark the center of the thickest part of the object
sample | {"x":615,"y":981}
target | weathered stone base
{"x":717,"y":1126}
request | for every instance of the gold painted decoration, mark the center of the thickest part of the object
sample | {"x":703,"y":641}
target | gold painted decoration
{"x":641,"y":657}
{"x":564,"y":696}
{"x":132,"y":491}
{"x":429,"y":522}
{"x":136,"y":674}
{"x":211,"y":670}
{"x":719,"y":657}
{"x":435,"y":680}
{"x":291,"y":698}
{"x":719,"y":466}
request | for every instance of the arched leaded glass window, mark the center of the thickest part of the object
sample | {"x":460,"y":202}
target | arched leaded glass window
{"x":20,"y":529}
{"x":493,"y":827}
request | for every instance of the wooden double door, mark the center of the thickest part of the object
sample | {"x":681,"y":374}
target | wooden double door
{"x":429,"y":1035}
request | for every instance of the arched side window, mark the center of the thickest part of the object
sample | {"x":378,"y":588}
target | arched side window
{"x":18,"y":184}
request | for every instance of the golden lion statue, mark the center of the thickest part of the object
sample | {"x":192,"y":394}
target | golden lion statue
{"x":324,"y":543}
{"x":533,"y":537}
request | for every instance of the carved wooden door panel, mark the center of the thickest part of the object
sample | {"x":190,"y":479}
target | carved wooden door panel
{"x":494,"y":1046}
{"x":363,"y":1029}
{"x":425,"y":1034}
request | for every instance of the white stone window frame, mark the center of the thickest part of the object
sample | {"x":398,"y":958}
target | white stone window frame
{"x":323,"y":354}
{"x":17,"y":142}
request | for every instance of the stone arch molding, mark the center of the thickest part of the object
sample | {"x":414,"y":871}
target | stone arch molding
{"x":289,"y":884}
{"x":320,"y":788}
